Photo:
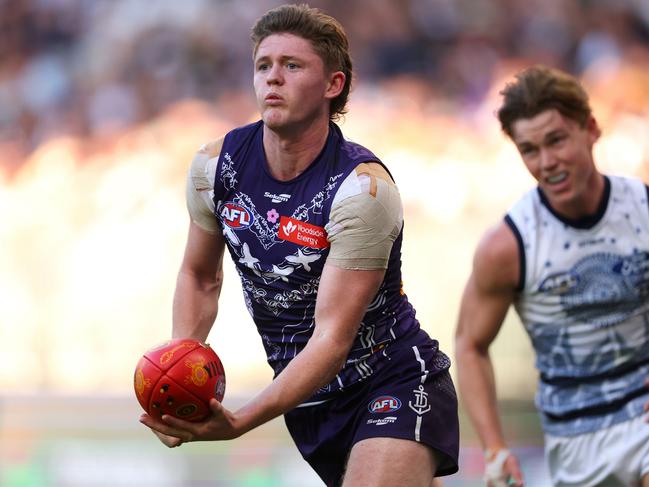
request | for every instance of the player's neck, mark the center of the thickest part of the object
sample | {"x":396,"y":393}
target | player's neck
{"x":290,"y":152}
{"x":589,"y":202}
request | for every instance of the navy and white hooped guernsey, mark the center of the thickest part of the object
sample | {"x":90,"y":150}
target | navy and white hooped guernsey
{"x":274,"y":231}
{"x":584,"y":302}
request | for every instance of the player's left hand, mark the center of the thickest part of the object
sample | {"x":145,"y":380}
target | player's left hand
{"x":502,"y":469}
{"x":220,"y":425}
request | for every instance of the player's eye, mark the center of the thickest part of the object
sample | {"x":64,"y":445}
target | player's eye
{"x":556,"y":139}
{"x":527,"y":150}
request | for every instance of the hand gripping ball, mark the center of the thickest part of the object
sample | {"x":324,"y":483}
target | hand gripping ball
{"x":179,"y":378}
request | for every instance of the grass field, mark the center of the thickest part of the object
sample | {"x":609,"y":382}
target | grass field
{"x":63,"y":441}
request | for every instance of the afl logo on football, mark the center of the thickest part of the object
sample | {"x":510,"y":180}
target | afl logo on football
{"x":384,"y":404}
{"x":236,"y":216}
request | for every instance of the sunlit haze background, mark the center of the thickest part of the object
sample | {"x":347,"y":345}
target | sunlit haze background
{"x":102,"y":105}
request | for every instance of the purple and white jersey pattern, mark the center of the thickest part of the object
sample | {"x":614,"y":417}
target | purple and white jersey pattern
{"x":275,"y":234}
{"x":585,"y":305}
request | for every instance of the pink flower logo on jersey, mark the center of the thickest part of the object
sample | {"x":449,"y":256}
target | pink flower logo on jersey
{"x":272,"y":215}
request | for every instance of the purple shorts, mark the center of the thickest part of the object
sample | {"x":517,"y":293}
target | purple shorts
{"x":411,"y":396}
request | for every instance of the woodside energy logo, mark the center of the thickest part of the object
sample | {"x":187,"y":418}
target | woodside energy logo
{"x":302,"y":233}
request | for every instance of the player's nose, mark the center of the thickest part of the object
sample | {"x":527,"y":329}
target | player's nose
{"x":274,"y":75}
{"x":548,"y":160}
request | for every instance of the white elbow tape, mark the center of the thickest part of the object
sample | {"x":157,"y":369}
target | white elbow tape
{"x":494,"y":475}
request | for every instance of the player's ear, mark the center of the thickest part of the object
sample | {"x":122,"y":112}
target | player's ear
{"x":335,"y":84}
{"x":593,"y":129}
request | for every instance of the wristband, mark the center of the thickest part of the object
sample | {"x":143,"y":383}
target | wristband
{"x":493,"y":473}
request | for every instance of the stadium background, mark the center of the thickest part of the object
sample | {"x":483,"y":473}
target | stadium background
{"x":102,"y":104}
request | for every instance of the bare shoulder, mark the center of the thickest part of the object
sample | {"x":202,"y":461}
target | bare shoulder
{"x":496,"y":263}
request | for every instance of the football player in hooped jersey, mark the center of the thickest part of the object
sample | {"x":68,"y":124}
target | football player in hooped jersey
{"x":313,"y":223}
{"x":572,"y":257}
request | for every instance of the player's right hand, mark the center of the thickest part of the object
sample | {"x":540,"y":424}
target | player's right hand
{"x":502,"y":469}
{"x":220,"y":425}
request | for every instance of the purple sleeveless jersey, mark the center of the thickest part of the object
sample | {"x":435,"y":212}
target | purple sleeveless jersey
{"x":275,"y":234}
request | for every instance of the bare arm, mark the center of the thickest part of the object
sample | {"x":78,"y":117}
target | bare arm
{"x":343,"y":298}
{"x":195,"y":303}
{"x":198,"y":285}
{"x":201,"y":275}
{"x":487,"y":296}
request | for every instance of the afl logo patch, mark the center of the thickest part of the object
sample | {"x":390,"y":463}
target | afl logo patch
{"x":236,"y":216}
{"x":384,"y":404}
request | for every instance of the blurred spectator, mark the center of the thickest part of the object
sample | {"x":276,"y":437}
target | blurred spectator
{"x":79,"y":67}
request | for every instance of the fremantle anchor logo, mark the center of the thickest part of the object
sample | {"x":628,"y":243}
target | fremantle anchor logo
{"x":421,"y":405}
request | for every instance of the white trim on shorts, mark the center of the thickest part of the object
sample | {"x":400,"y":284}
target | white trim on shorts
{"x":312,"y":403}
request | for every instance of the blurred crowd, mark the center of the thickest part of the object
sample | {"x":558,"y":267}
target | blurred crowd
{"x":86,"y":67}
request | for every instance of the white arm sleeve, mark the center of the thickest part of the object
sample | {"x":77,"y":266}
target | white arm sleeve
{"x":365,"y":220}
{"x":199,"y":192}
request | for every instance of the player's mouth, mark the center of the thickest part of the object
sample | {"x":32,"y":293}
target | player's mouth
{"x":557,"y":183}
{"x":273,"y":99}
{"x":557,"y":178}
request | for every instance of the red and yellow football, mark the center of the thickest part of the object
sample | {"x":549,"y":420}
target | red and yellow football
{"x":179,"y":378}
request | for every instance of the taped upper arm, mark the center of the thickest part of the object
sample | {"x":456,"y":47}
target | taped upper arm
{"x":200,"y":186}
{"x":366,"y":218}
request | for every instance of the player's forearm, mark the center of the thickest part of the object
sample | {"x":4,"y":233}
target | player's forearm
{"x":337,"y":319}
{"x":311,"y":369}
{"x":195,"y":305}
{"x":478,"y":390}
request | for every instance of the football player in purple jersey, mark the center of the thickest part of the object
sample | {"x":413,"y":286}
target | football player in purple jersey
{"x":313,"y":223}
